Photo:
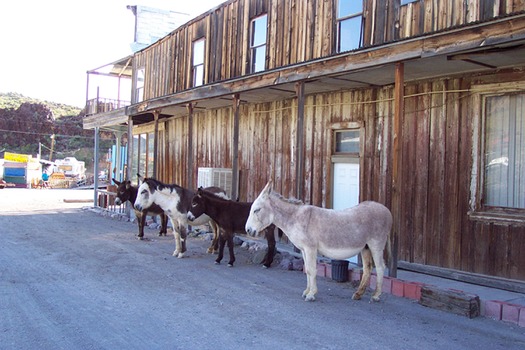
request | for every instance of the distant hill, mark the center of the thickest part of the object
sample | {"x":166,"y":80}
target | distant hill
{"x":12,"y":100}
{"x":26,"y":126}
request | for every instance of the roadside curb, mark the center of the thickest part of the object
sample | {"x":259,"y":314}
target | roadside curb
{"x":494,"y":309}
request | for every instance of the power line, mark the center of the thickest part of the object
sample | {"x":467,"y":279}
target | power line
{"x":46,"y":134}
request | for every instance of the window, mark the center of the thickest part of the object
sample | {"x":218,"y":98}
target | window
{"x":139,"y":85}
{"x":143,"y":155}
{"x":349,"y":22}
{"x":198,"y":62}
{"x":258,"y":44}
{"x":347,"y":141}
{"x":504,"y":151}
{"x":404,"y":2}
{"x":346,"y":165}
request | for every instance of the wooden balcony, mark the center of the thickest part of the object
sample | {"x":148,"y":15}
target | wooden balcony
{"x":104,"y":105}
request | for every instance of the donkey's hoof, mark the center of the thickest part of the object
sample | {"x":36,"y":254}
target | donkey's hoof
{"x":375,"y":299}
{"x":309,"y":298}
{"x":140,"y":238}
{"x":217,"y":262}
{"x":230,"y":264}
{"x":209,"y":251}
{"x":180,"y":256}
{"x":356,"y":296}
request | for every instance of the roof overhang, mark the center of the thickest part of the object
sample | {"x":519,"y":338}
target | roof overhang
{"x":121,"y":68}
{"x":114,"y":119}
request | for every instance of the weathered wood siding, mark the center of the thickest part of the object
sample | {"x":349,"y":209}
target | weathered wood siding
{"x":438,"y":124}
{"x":435,"y":178}
{"x":426,"y":16}
{"x":297,"y":31}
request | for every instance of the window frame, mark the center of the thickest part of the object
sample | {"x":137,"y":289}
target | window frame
{"x":254,"y":47}
{"x":139,"y":84}
{"x":347,"y":19}
{"x":478,"y":209}
{"x":143,"y":159}
{"x":198,"y":67}
{"x":335,"y":152}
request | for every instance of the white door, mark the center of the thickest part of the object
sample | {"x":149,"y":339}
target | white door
{"x":346,"y":189}
{"x":346,"y":185}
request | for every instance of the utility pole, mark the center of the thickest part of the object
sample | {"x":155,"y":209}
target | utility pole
{"x":52,"y":146}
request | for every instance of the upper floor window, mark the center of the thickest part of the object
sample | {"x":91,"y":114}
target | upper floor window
{"x":258,"y":44}
{"x":349,"y":24}
{"x":139,"y":85}
{"x":504,"y":157}
{"x":198,"y":62}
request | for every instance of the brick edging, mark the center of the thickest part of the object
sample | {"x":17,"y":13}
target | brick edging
{"x":494,"y":309}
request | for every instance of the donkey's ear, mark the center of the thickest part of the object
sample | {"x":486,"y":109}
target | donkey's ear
{"x":141,"y":178}
{"x":116,"y":182}
{"x":267,"y":189}
{"x":128,"y":185}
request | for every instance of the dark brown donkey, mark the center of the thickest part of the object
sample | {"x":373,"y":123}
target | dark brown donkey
{"x":127,"y":192}
{"x":231,"y":217}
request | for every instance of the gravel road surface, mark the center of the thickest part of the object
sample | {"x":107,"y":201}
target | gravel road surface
{"x":73,"y":279}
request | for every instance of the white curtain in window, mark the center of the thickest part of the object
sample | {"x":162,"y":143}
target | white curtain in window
{"x":504,"y":179}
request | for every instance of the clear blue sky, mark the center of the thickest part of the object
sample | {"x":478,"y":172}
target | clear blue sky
{"x":48,"y":45}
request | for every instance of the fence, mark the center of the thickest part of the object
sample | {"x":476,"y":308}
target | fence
{"x":102,"y":105}
{"x":106,"y":201}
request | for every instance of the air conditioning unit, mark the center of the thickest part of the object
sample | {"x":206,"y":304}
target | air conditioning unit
{"x":219,"y":177}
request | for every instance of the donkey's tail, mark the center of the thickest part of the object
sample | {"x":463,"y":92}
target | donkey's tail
{"x":389,"y":249}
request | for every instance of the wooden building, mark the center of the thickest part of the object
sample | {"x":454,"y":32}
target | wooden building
{"x":419,"y":105}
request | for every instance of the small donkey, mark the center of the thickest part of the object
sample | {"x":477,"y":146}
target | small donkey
{"x":127,"y":192}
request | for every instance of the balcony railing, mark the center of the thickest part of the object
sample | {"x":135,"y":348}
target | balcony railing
{"x":103,"y":105}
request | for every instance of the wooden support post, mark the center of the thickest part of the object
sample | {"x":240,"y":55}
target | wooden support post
{"x":129,"y":166}
{"x":118,"y":155}
{"x":399,"y":108}
{"x":235,"y":147}
{"x":95,"y":168}
{"x":156,"y":114}
{"x":299,"y":151}
{"x":190,"y":146}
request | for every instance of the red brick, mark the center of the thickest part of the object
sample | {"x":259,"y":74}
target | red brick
{"x":493,"y":309}
{"x":373,"y":281}
{"x":521,"y":321}
{"x":355,"y":275}
{"x":387,"y":284}
{"x":398,"y":288}
{"x":328,"y":271}
{"x":510,"y":313}
{"x":413,"y":290}
{"x":321,"y":270}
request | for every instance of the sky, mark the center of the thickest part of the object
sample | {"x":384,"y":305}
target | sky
{"x":47,"y":46}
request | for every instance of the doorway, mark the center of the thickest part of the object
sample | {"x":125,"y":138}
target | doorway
{"x":346,"y":171}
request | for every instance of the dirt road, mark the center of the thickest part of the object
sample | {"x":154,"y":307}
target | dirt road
{"x":73,"y":279}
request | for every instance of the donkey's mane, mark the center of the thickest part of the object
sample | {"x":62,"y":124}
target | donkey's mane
{"x":214,"y":198}
{"x":155,"y":184}
{"x":290,"y":200}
